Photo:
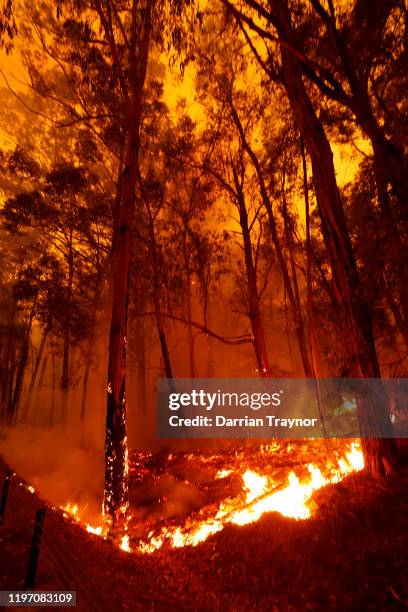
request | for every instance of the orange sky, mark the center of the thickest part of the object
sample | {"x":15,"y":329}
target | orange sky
{"x":346,"y":158}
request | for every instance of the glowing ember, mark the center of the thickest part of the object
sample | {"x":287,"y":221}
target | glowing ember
{"x":223,"y":474}
{"x":31,"y":489}
{"x":261,"y":496}
{"x":124,"y":544}
{"x":72,"y":510}
{"x":95,"y":530}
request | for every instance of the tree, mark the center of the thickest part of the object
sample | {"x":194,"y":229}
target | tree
{"x":380,"y":453}
{"x":8,"y":28}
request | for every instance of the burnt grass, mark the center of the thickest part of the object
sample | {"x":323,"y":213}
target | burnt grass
{"x":351,"y":555}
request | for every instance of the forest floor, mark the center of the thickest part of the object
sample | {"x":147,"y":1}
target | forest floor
{"x":351,"y":555}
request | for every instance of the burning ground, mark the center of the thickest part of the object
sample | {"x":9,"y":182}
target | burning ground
{"x":347,"y":550}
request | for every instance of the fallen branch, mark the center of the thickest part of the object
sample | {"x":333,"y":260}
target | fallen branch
{"x":244,"y":339}
{"x":253,"y":502}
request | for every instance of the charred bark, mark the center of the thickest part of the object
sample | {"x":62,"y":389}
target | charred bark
{"x":116,"y":450}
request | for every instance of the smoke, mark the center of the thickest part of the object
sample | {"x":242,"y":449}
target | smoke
{"x":164,"y":497}
{"x":53,"y":461}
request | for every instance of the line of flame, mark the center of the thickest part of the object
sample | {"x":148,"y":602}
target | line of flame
{"x":261,"y":496}
{"x":290,"y":501}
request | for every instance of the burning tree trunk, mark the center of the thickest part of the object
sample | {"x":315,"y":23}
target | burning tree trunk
{"x":132,"y":85}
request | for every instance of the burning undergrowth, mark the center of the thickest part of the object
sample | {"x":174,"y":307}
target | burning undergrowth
{"x":181,"y":499}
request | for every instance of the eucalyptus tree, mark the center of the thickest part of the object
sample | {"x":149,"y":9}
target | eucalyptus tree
{"x":225,"y":71}
{"x":280,"y":32}
{"x":63,"y":212}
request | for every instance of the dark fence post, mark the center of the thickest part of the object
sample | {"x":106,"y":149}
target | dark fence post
{"x":34,"y":549}
{"x":4,"y":495}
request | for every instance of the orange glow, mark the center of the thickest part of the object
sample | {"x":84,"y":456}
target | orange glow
{"x":259,"y":495}
{"x":260,"y":498}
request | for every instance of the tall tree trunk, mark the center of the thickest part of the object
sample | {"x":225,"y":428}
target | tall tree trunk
{"x":65,"y":376}
{"x":254,"y":312}
{"x":188,"y":300}
{"x":38,"y":360}
{"x":395,"y":309}
{"x":157,"y":296}
{"x":52,"y":411}
{"x":91,"y":342}
{"x":314,"y":361}
{"x":389,"y":159}
{"x":34,"y":374}
{"x":25,"y":347}
{"x":42,"y":372}
{"x":380,"y":453}
{"x":309,"y":270}
{"x":276,"y":242}
{"x":209,"y":339}
{"x":6,"y":379}
{"x":297,"y":315}
{"x":141,"y":357}
{"x":115,"y":501}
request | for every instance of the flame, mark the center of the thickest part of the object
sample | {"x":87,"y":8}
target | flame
{"x":124,"y":544}
{"x":261,"y":495}
{"x":72,"y":510}
{"x":95,"y":530}
{"x":223,"y":474}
